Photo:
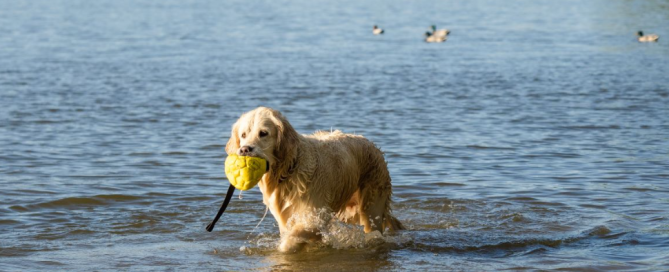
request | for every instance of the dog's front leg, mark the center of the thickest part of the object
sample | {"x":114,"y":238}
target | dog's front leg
{"x":304,"y":227}
{"x":298,"y":238}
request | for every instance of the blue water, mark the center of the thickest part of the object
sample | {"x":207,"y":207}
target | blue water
{"x":535,"y":138}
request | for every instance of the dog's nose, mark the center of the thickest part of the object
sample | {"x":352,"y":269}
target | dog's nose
{"x":245,"y":150}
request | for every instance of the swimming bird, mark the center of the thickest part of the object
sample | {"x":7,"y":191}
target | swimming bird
{"x":439,"y":33}
{"x":376,"y":30}
{"x":647,"y":38}
{"x":431,"y":38}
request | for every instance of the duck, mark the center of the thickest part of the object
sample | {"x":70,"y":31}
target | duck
{"x":376,"y":30}
{"x":647,"y":38}
{"x":438,"y":33}
{"x":431,"y":38}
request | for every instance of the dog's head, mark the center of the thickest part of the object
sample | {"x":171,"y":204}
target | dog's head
{"x":265,"y":133}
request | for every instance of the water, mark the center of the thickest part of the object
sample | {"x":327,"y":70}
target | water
{"x":535,"y":138}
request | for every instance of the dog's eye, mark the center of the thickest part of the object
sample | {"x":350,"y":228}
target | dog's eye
{"x":263,"y":133}
{"x":243,"y":135}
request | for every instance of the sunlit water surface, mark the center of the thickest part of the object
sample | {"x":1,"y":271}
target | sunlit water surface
{"x":536,"y":137}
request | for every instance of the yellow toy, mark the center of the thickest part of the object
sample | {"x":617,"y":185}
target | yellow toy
{"x":245,"y":172}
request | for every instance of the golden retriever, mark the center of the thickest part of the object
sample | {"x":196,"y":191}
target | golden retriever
{"x":342,"y":174}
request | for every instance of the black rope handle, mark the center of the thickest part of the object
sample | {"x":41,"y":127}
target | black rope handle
{"x":228,"y":196}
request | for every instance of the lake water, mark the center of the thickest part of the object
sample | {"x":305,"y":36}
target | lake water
{"x":535,"y":138}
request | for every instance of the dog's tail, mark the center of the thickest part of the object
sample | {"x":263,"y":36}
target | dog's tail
{"x":392,"y":223}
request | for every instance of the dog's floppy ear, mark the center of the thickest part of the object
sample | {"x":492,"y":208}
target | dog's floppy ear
{"x":233,"y":144}
{"x":285,"y":150}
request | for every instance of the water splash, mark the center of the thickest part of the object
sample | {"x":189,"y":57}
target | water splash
{"x":334,"y":234}
{"x":261,"y":219}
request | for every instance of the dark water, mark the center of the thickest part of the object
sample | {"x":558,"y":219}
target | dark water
{"x":535,"y":138}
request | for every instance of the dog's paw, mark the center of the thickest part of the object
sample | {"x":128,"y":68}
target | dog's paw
{"x":374,"y":238}
{"x":291,"y":245}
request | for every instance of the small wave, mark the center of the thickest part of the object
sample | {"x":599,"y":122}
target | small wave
{"x":157,"y":194}
{"x":141,"y":154}
{"x":78,"y":201}
{"x":489,"y":147}
{"x":213,"y":147}
{"x":96,"y":176}
{"x":521,"y":198}
{"x":118,"y":197}
{"x":540,"y":250}
{"x":4,"y":222}
{"x":593,"y":206}
{"x":448,"y":184}
{"x":462,"y":243}
{"x":51,"y":263}
{"x":98,"y":200}
{"x":175,"y":153}
{"x":551,"y":155}
{"x":637,"y":189}
{"x":49,"y":122}
{"x":150,"y":163}
{"x":140,"y":120}
{"x":80,"y":232}
{"x":212,"y":105}
{"x":196,"y":198}
{"x":434,"y":156}
{"x":36,"y":192}
{"x":591,"y":127}
{"x":152,"y":225}
{"x":598,"y":231}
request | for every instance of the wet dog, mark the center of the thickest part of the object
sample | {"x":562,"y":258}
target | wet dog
{"x":344,"y":175}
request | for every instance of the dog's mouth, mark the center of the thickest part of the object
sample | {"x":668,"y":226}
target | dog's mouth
{"x":226,"y":201}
